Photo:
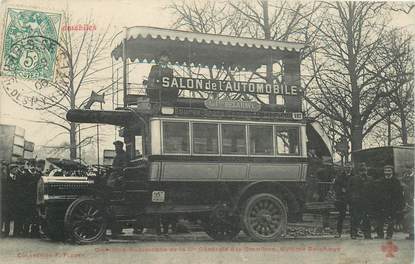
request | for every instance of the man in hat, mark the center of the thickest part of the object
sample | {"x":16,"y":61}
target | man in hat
{"x":115,"y":180}
{"x":390,"y":201}
{"x":341,"y":191}
{"x":408,"y":190}
{"x":119,"y":163}
{"x":6,"y":198}
{"x":154,"y":84}
{"x":359,"y":187}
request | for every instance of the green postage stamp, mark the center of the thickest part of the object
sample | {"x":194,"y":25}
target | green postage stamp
{"x":30,"y":44}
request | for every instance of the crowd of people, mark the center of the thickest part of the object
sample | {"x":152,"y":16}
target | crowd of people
{"x":374,"y":201}
{"x":18,"y":198}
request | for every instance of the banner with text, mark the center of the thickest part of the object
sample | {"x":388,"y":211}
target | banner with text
{"x":208,"y":85}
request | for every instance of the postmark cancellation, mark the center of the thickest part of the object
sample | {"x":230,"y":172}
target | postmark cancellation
{"x":29,"y":60}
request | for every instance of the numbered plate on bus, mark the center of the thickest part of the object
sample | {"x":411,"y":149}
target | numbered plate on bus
{"x":158,"y":196}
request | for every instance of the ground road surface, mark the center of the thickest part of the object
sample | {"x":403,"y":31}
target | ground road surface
{"x":197,"y":248}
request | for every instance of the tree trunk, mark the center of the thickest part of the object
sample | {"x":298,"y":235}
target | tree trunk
{"x":357,"y":127}
{"x":346,"y":157}
{"x":388,"y":121}
{"x":269,"y":67}
{"x":404,"y":129}
{"x":72,"y":97}
{"x":72,"y":141}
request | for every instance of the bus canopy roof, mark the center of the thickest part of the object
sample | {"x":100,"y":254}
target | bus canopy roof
{"x":109,"y":117}
{"x":198,"y":49}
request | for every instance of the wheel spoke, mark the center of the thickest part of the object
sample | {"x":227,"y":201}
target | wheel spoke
{"x":268,"y":204}
{"x":77,"y":216}
{"x":77,"y":223}
{"x":273,"y":208}
{"x":267,"y":230}
{"x":276,"y":218}
{"x":82,"y":208}
{"x":99,"y":219}
{"x":76,"y":229}
{"x":96,"y":211}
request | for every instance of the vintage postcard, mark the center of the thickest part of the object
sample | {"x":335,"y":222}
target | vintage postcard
{"x":203,"y":131}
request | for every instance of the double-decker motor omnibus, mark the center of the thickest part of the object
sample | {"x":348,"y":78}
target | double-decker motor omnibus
{"x":231,"y":165}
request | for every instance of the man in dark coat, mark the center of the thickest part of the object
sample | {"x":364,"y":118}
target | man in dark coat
{"x":22,"y":201}
{"x":359,"y":197}
{"x":115,"y":179}
{"x":390,"y":202}
{"x":408,"y":189}
{"x":341,"y":191}
{"x":6,"y":198}
{"x":154,"y":84}
{"x":36,"y":174}
{"x":118,"y":164}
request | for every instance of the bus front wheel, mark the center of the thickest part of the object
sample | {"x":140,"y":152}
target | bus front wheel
{"x":85,"y":221}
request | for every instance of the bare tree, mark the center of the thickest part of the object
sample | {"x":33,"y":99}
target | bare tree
{"x":277,"y":20}
{"x":405,"y":7}
{"x":80,"y":54}
{"x":208,"y":17}
{"x":399,"y":79}
{"x":347,"y":65}
{"x":347,"y":68}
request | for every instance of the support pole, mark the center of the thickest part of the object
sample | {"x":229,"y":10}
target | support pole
{"x":124,"y":67}
{"x":79,"y":141}
{"x":292,"y":78}
{"x":98,"y":144}
{"x":270,"y":62}
{"x":98,"y":160}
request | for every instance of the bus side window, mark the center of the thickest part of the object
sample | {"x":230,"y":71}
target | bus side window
{"x":287,"y":140}
{"x":234,"y":139}
{"x":205,"y":138}
{"x":260,"y":140}
{"x":176,"y":137}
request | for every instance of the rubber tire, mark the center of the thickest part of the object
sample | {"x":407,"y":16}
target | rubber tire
{"x":245,"y":209}
{"x":68,"y":214}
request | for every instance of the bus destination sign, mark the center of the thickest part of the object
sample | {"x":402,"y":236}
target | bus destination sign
{"x":208,"y":113}
{"x":208,"y":85}
{"x":232,"y":105}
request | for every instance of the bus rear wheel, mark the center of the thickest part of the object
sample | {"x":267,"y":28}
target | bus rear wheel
{"x":264,"y":217}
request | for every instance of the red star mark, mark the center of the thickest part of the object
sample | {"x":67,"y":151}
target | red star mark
{"x":390,"y":248}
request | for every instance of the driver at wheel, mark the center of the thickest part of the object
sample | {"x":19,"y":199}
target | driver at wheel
{"x":115,"y":180}
{"x":119,"y":163}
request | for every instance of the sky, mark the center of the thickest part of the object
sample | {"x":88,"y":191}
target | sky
{"x":115,"y":13}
